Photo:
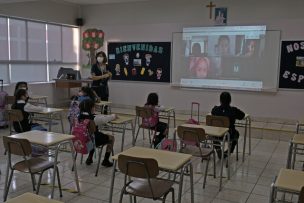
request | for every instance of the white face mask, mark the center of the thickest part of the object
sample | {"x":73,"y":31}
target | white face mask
{"x":100,"y":59}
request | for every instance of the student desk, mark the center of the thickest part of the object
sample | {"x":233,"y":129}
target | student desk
{"x":48,"y":140}
{"x":168,"y":113}
{"x":49,"y":113}
{"x":31,"y":198}
{"x":121,"y":123}
{"x":217,"y":134}
{"x":102,"y":104}
{"x":246,"y":123}
{"x":167,"y":161}
{"x":290,"y":181}
{"x":36,"y":99}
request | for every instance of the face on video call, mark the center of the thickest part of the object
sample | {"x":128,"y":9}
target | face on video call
{"x":223,"y":45}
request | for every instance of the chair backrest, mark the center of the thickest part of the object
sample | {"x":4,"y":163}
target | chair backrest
{"x":143,"y":112}
{"x":10,"y":99}
{"x":191,"y":135}
{"x":138,"y":167}
{"x":217,"y":121}
{"x":20,"y":147}
{"x":14,"y":115}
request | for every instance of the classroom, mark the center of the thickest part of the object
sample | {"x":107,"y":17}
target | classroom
{"x":190,"y":53}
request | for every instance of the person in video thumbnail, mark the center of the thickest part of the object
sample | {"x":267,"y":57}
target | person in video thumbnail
{"x":250,"y":51}
{"x":223,"y":45}
{"x":199,"y":65}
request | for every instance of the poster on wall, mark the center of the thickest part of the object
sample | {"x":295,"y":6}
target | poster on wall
{"x":292,"y":65}
{"x":140,"y":61}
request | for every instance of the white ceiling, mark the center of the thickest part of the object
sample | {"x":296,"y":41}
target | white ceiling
{"x":83,"y":2}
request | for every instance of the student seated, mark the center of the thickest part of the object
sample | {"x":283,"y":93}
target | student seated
{"x":84,"y":93}
{"x":87,"y":111}
{"x":161,"y":127}
{"x":232,"y":113}
{"x":25,"y":107}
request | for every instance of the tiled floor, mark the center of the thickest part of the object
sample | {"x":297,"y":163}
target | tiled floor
{"x":250,"y":181}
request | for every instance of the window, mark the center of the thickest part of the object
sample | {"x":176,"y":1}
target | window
{"x":3,"y":39}
{"x":34,"y":51}
{"x":36,"y":41}
{"x":54,"y":43}
{"x":70,"y":44}
{"x":18,"y":39}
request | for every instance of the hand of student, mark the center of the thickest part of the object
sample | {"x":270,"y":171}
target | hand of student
{"x":98,"y":100}
{"x":110,"y":74}
{"x":115,"y":116}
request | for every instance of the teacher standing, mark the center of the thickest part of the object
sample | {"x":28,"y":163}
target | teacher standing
{"x":100,"y":77}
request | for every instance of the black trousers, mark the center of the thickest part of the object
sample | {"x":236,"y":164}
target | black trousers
{"x":162,"y":129}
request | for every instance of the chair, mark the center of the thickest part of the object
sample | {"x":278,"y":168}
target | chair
{"x":145,"y":183}
{"x":143,"y":113}
{"x":221,"y":121}
{"x":194,"y":137}
{"x":37,"y":165}
{"x":92,"y":128}
{"x":14,"y":115}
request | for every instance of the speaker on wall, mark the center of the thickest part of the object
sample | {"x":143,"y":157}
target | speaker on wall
{"x":79,"y":21}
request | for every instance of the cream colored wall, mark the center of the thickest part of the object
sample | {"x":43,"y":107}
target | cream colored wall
{"x":156,"y":20}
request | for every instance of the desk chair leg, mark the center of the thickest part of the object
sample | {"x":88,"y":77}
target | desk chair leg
{"x":294,"y":156}
{"x":206,"y":173}
{"x":39,"y":183}
{"x":75,"y":158}
{"x":271,"y":197}
{"x":59,"y":183}
{"x":289,"y":156}
{"x":136,"y":135}
{"x":237,"y":150}
{"x":134,"y":197}
{"x":33,"y":181}
{"x":8,"y":185}
{"x":214,"y":165}
{"x":99,"y":159}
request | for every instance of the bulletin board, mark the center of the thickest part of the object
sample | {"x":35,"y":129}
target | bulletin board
{"x":140,"y":61}
{"x":292,"y":65}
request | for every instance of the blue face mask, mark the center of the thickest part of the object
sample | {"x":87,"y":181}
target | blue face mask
{"x":81,"y":98}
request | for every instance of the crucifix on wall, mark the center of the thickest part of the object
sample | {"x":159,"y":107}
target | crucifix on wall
{"x":210,"y":6}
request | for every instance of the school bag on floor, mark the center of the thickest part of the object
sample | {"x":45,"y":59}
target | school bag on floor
{"x":3,"y":94}
{"x":167,"y":144}
{"x":83,"y":142}
{"x":191,"y":120}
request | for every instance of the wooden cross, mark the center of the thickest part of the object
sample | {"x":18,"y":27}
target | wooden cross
{"x":210,"y":6}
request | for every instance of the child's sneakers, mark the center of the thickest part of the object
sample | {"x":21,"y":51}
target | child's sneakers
{"x":107,"y":163}
{"x":89,"y":161}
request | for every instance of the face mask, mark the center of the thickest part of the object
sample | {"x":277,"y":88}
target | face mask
{"x":100,"y":59}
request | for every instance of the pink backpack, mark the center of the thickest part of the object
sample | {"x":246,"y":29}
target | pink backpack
{"x":167,"y":144}
{"x":83,"y":141}
{"x":153,"y":120}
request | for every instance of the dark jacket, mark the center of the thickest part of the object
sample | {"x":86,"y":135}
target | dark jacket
{"x":232,"y":113}
{"x":25,"y":123}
